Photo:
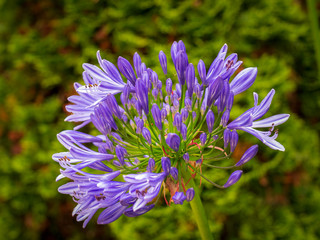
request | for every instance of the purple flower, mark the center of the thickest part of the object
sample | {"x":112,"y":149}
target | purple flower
{"x":142,"y":95}
{"x":170,"y":134}
{"x":173,"y":141}
{"x":146,"y":134}
{"x":243,"y":80}
{"x":177,"y":121}
{"x":137,"y":64}
{"x":174,"y":173}
{"x":186,"y":157}
{"x":233,"y":140}
{"x":127,"y":70}
{"x":190,"y":194}
{"x":247,"y":122}
{"x":214,"y":90}
{"x":210,"y":121}
{"x":202,"y":72}
{"x":190,"y":78}
{"x":166,"y":165}
{"x":203,"y":138}
{"x":156,"y":113}
{"x":163,"y":61}
{"x":234,"y":177}
{"x":179,"y":198}
{"x":248,"y":155}
{"x":151,"y":165}
{"x":184,"y":131}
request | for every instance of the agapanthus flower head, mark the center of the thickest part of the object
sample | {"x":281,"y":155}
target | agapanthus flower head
{"x":163,"y":132}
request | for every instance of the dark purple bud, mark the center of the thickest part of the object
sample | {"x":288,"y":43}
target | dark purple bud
{"x":126,"y":199}
{"x":127,"y":70}
{"x":159,"y":85}
{"x":225,"y":118}
{"x":166,"y":165}
{"x":243,"y":80}
{"x":163,"y":61}
{"x":233,"y":140}
{"x":176,"y":105}
{"x":203,"y":138}
{"x":197,"y":90}
{"x":174,"y":51}
{"x":194,"y":115}
{"x":126,"y":93}
{"x":215,"y":137}
{"x":140,"y":124}
{"x":169,"y":87}
{"x":178,"y":90}
{"x":190,"y":78}
{"x":142,"y":95}
{"x":125,"y":118}
{"x":163,"y":114}
{"x":151,"y":165}
{"x":174,"y":173}
{"x":173,"y":141}
{"x":188,"y":104}
{"x":226,"y":138}
{"x":130,"y":213}
{"x":177,"y":121}
{"x":202,"y":72}
{"x":156,"y":113}
{"x":186,"y":157}
{"x":181,"y":66}
{"x":138,"y":107}
{"x":120,"y":152}
{"x":143,"y":67}
{"x":210,"y":121}
{"x":155,"y":93}
{"x":154,"y":79}
{"x":224,"y":96}
{"x":181,"y":46}
{"x":230,"y":101}
{"x":137,"y":64}
{"x":184,"y":114}
{"x":146,"y":134}
{"x":113,"y":105}
{"x":100,"y":123}
{"x":198,"y":162}
{"x":248,"y":155}
{"x":190,"y":194}
{"x":234,"y":177}
{"x":203,"y":107}
{"x":214,"y":90}
{"x":184,"y":131}
{"x":179,"y":198}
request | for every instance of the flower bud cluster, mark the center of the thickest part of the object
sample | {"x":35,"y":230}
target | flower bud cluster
{"x":159,"y":135}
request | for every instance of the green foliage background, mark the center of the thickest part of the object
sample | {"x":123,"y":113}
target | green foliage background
{"x":42,"y":47}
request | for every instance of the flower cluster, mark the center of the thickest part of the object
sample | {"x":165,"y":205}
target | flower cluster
{"x":157,"y":135}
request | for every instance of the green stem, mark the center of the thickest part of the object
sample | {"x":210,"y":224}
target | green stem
{"x":313,"y":17}
{"x":197,"y":208}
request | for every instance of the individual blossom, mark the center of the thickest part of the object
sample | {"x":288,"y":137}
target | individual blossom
{"x":154,"y":135}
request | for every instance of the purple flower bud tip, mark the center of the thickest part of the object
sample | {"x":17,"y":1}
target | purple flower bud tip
{"x":163,"y":61}
{"x":248,"y":155}
{"x":174,"y":173}
{"x":203,"y":138}
{"x":234,"y":177}
{"x":146,"y":134}
{"x":190,"y":194}
{"x":166,"y":165}
{"x":186,"y":157}
{"x":179,"y":198}
{"x":151,"y":165}
{"x":173,"y":141}
{"x":210,"y":121}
